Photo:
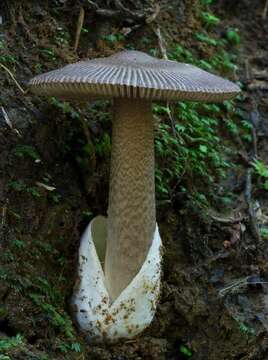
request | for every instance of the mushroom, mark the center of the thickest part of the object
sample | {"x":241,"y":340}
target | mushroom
{"x":132,"y":79}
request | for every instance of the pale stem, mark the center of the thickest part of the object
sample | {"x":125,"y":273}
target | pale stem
{"x":131,"y":212}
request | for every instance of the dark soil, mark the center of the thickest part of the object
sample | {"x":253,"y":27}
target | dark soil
{"x":212,"y":302}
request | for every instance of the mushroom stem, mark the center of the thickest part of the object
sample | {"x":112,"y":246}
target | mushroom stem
{"x":131,"y":212}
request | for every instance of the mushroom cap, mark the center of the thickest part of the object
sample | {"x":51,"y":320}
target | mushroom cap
{"x":133,"y":74}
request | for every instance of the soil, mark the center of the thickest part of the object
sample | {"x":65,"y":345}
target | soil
{"x":214,"y":302}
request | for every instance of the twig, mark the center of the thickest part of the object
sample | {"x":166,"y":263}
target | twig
{"x":45,"y":186}
{"x":254,"y":140}
{"x":81,"y":357}
{"x":264,"y":14}
{"x":4,"y":212}
{"x":94,"y":5}
{"x":254,"y":226}
{"x":247,"y":71}
{"x":261,"y":75}
{"x":3,"y":218}
{"x":162,"y":46}
{"x":21,"y":21}
{"x":6,"y":118}
{"x":127,"y":30}
{"x":79,"y":26}
{"x":104,"y":12}
{"x":88,"y":138}
{"x":258,"y":86}
{"x":122,"y":11}
{"x":171,"y":119}
{"x":13,"y":78}
{"x":255,"y":120}
{"x":254,"y":115}
{"x":161,"y":43}
{"x":225,"y":220}
{"x":234,"y":285}
{"x":108,"y":13}
{"x":8,"y":121}
{"x":132,"y":14}
{"x":251,"y":211}
{"x":240,"y":283}
{"x":154,"y":15}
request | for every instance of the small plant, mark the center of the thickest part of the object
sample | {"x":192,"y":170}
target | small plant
{"x":33,"y":191}
{"x":192,"y":147}
{"x":264,"y":232}
{"x":87,"y":214}
{"x":224,"y":61}
{"x":233,"y":36}
{"x":48,"y":54}
{"x":2,"y":44}
{"x":17,"y":185}
{"x":205,"y":65}
{"x":192,"y":144}
{"x":55,"y":197}
{"x":114,"y":37}
{"x":84,"y":30}
{"x":19,"y":244}
{"x":103,"y":146}
{"x":58,"y":319}
{"x":65,"y":347}
{"x":62,"y":37}
{"x":26,"y":151}
{"x":38,"y":67}
{"x":154,"y":52}
{"x":207,"y":2}
{"x":209,"y":19}
{"x":65,"y":107}
{"x":206,"y":39}
{"x":247,"y":329}
{"x":11,"y":343}
{"x":5,"y":56}
{"x":20,"y":186}
{"x":261,"y":170}
{"x":180,"y":53}
{"x":186,"y":351}
{"x":9,"y":256}
{"x":145,"y":40}
{"x":8,"y":59}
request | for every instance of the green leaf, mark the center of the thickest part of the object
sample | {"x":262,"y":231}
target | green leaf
{"x":206,"y":39}
{"x":26,"y":150}
{"x":76,"y":347}
{"x":203,"y":149}
{"x":233,"y":36}
{"x":246,"y":329}
{"x":111,"y":38}
{"x":261,"y":168}
{"x":12,"y":342}
{"x":84,"y":30}
{"x":205,"y":65}
{"x":209,"y":19}
{"x":206,"y":2}
{"x":264,"y":232}
{"x":186,"y":351}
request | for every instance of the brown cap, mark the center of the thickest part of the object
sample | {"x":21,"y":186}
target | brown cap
{"x":133,"y":74}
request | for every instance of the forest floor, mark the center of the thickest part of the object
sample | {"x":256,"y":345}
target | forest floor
{"x":214,"y":302}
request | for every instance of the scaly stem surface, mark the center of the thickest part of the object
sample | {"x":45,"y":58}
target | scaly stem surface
{"x":131,"y":211}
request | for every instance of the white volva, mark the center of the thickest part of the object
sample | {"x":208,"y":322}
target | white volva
{"x":133,"y":310}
